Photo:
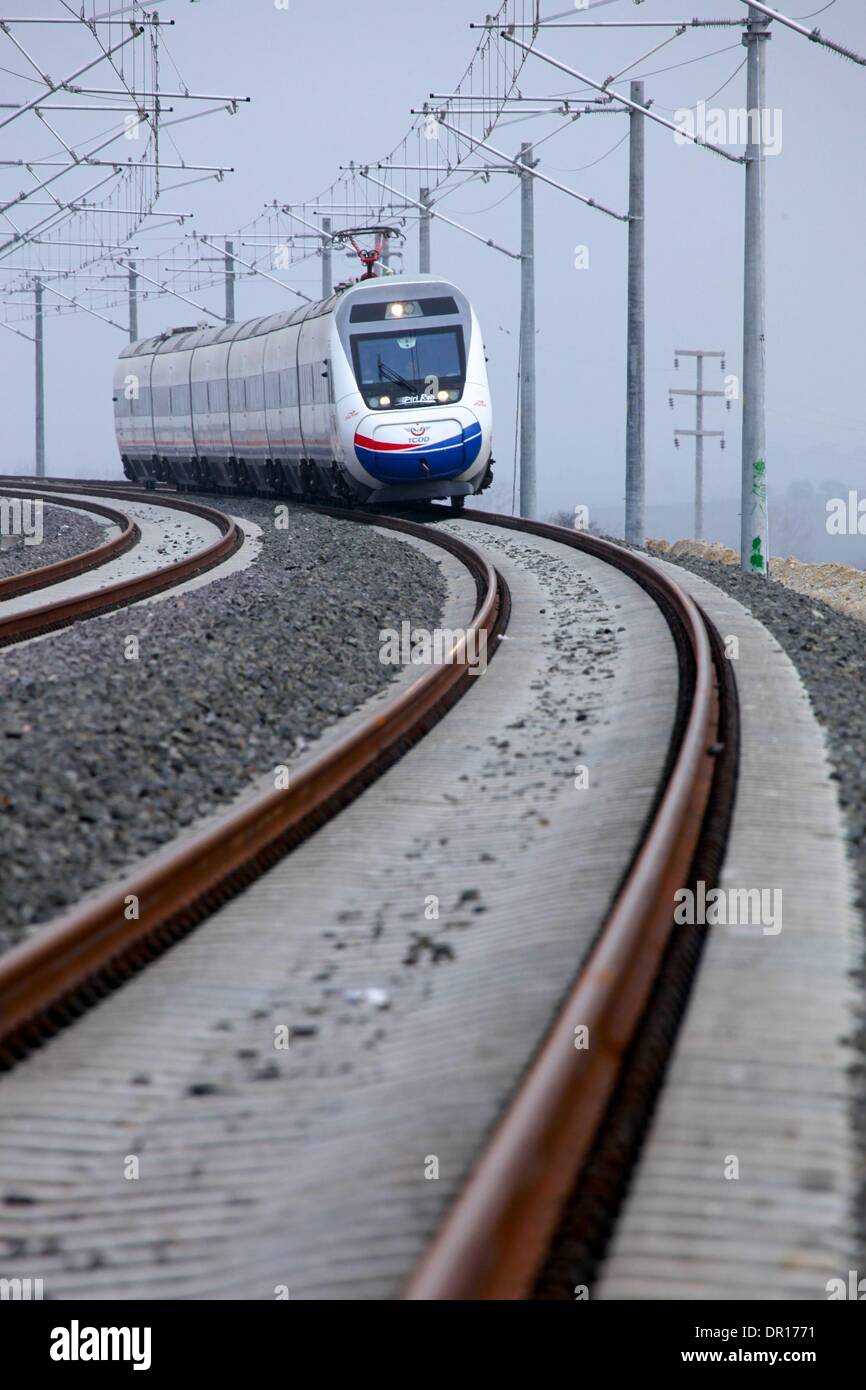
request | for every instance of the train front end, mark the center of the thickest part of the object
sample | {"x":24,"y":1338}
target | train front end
{"x":411,"y":394}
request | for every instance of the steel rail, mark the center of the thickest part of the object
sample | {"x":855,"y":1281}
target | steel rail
{"x":48,"y":617}
{"x":28,"y":580}
{"x":48,"y":979}
{"x":495,"y":1237}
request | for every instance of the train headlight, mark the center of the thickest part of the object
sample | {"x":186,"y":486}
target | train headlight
{"x":443,"y":396}
{"x":402,"y":309}
{"x":384,"y":400}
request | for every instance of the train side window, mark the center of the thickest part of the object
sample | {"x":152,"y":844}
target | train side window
{"x":322,"y":382}
{"x":179,"y":400}
{"x":217,"y":395}
{"x":161,"y":405}
{"x":272,"y":390}
{"x":289,"y":387}
{"x":236,"y":393}
{"x":255,"y":396}
{"x":199,"y":397}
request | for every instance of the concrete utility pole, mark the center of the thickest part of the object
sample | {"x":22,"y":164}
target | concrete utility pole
{"x":40,"y":385}
{"x":753,"y":515}
{"x":424,"y":233}
{"x":133,"y":303}
{"x":230,"y":281}
{"x":527,"y":336}
{"x":635,"y":451}
{"x":327,"y":281}
{"x":699,"y":433}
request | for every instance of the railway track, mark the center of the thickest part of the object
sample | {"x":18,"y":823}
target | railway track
{"x":127,"y":536}
{"x":46,"y":980}
{"x":494,"y":1241}
{"x":495,"y":1238}
{"x":76,"y":602}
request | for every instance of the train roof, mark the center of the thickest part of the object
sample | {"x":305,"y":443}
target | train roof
{"x":200,"y":335}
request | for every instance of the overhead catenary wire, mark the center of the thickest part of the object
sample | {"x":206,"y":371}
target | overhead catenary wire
{"x":131,"y":187}
{"x":579,"y":169}
{"x":489,"y":75}
{"x":814,"y":35}
{"x":490,"y":90}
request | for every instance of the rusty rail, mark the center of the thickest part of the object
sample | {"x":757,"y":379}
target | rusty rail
{"x":28,"y":580}
{"x":496,"y":1235}
{"x":61,"y":612}
{"x":51,"y":977}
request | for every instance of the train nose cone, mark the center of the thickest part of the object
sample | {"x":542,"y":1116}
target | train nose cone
{"x":399,"y":450}
{"x":472,"y":436}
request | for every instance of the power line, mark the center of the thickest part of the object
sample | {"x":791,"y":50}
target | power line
{"x":474,"y":212}
{"x":727,"y":82}
{"x":815,"y":12}
{"x":814,"y":35}
{"x":581,"y":167}
{"x":687,"y":62}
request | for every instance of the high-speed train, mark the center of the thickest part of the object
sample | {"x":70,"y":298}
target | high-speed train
{"x":376,"y":394}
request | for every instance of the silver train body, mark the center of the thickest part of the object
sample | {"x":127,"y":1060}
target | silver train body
{"x":376,"y":394}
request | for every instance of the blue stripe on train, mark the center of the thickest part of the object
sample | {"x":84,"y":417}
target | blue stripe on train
{"x":444,"y":460}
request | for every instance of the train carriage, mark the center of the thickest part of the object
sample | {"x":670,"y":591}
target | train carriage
{"x":378,"y":393}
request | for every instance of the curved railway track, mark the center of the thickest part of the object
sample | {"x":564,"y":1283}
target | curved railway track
{"x":28,"y":580}
{"x":494,"y":1241}
{"x":61,"y":611}
{"x":496,"y":1236}
{"x":50,"y":978}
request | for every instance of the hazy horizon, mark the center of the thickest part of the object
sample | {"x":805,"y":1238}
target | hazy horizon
{"x":328,"y":85}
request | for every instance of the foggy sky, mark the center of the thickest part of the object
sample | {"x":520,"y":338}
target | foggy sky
{"x":334,"y":81}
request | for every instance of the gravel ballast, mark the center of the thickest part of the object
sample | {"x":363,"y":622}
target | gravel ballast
{"x":107,"y":757}
{"x":829,"y":650}
{"x":408,"y":1027}
{"x":65,"y":532}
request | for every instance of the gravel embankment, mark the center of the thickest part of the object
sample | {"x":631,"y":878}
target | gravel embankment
{"x":105,"y":758}
{"x":841,"y":586}
{"x":65,"y":532}
{"x":829,"y":650}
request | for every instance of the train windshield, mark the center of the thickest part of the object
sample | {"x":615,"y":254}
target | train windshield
{"x":410,"y":367}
